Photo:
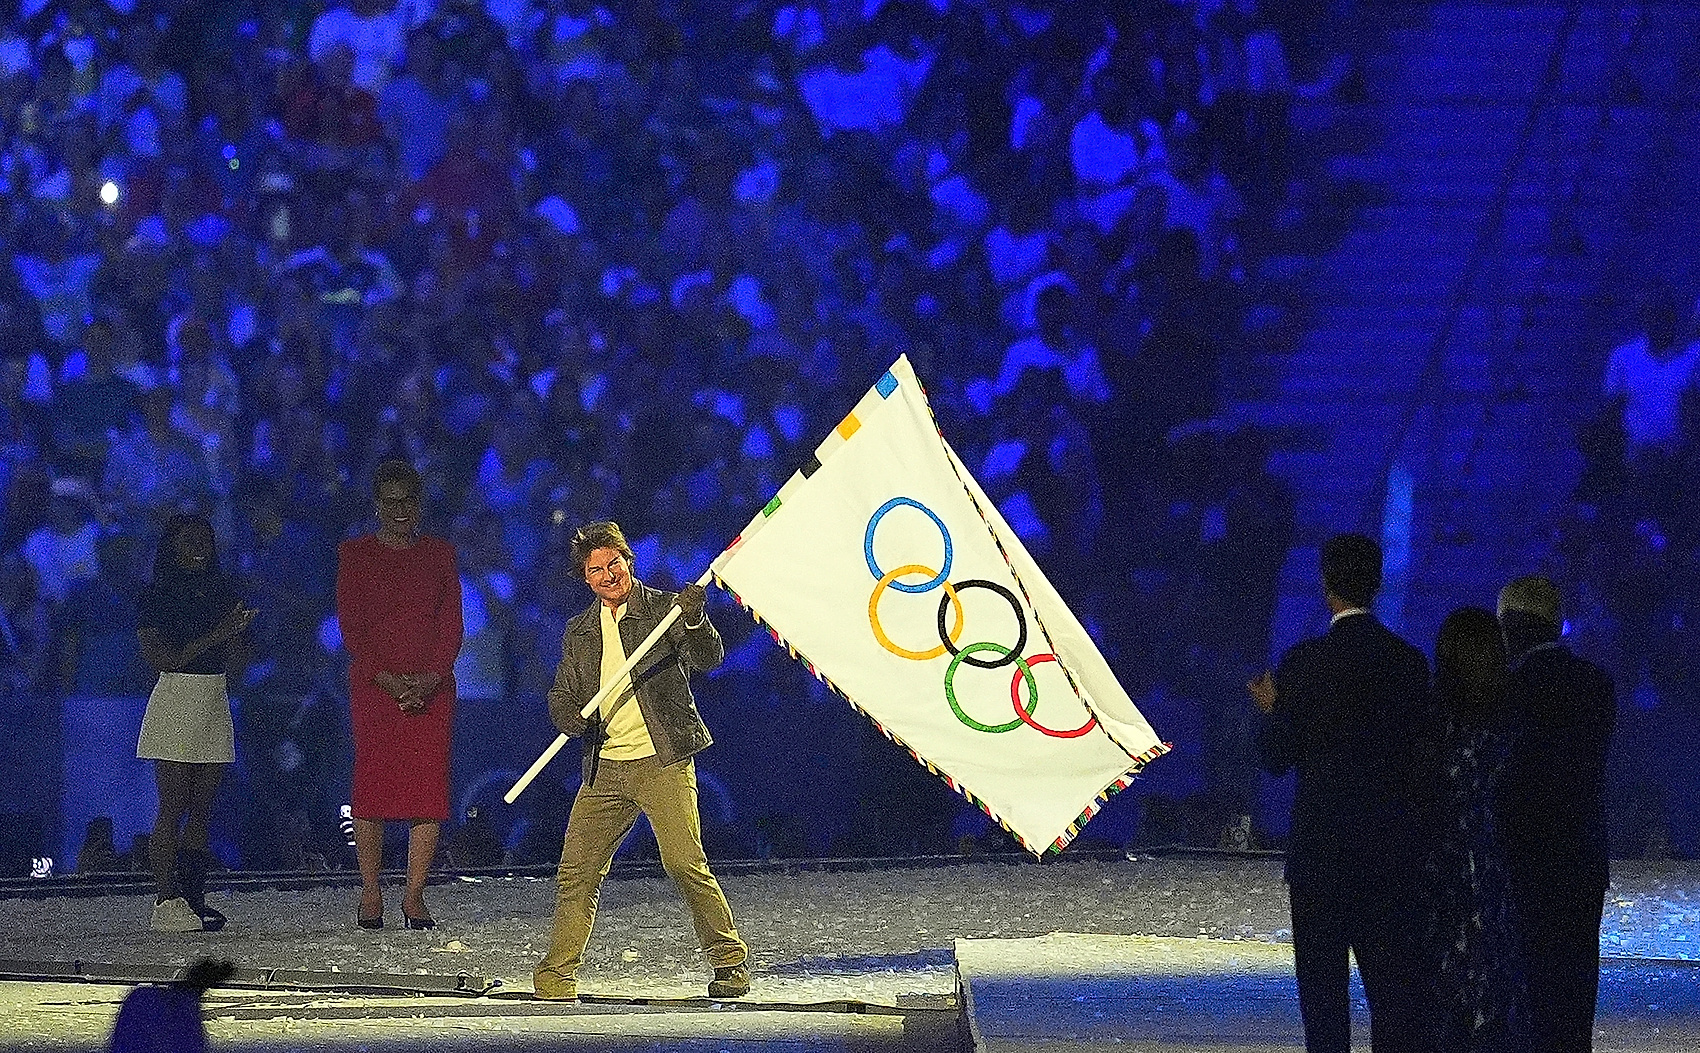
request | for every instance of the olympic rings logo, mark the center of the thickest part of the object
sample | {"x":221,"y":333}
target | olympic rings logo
{"x":950,"y":637}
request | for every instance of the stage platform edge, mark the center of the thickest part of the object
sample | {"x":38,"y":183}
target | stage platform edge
{"x":1092,"y":993}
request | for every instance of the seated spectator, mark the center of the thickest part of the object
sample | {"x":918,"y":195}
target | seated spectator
{"x":1039,"y":116}
{"x":1648,"y":375}
{"x":70,"y":182}
{"x":865,"y":90}
{"x":204,"y":406}
{"x":286,"y":562}
{"x":1017,"y":249}
{"x":800,"y":27}
{"x":142,"y":84}
{"x":152,"y":469}
{"x":59,"y":277}
{"x":509,"y":475}
{"x":488,"y":591}
{"x":20,"y":317}
{"x":199,"y":369}
{"x":417,"y":106}
{"x":63,"y":551}
{"x":464,"y":195}
{"x":1200,"y":199}
{"x":1113,"y":150}
{"x":330,"y":111}
{"x":572,"y":45}
{"x":1057,"y":345}
{"x":371,"y":32}
{"x":28,"y":639}
{"x":92,"y":399}
{"x":342,"y":272}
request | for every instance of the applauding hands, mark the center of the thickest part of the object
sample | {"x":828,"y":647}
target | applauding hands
{"x":1262,"y":691}
{"x":235,"y":620}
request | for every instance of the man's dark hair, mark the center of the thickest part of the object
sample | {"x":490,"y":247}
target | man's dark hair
{"x":1351,"y":568}
{"x":592,"y":536}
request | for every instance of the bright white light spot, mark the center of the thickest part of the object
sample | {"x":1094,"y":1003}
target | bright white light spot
{"x":109,"y":193}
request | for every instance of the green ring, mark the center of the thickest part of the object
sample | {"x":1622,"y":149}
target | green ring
{"x":956,"y":707}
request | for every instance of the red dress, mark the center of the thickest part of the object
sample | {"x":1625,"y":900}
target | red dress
{"x":399,"y":609}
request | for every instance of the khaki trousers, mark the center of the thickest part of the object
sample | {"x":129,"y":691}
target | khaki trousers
{"x":602,"y":816}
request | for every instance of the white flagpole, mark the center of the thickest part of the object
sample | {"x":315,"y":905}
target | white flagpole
{"x":606,"y":690}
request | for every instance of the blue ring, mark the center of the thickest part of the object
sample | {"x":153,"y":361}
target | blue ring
{"x":868,"y":545}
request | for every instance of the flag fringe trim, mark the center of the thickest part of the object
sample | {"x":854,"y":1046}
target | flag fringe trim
{"x":1096,"y":805}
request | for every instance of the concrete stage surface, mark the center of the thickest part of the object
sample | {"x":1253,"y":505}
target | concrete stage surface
{"x":1172,"y":953}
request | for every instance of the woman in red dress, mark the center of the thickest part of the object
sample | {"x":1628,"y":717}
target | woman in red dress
{"x":398,"y":602}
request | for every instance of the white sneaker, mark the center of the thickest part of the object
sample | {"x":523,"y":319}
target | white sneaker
{"x":175,"y":915}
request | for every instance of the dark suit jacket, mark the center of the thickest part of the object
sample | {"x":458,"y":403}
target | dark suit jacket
{"x":1349,"y":715}
{"x":662,"y":679}
{"x":1552,"y":795}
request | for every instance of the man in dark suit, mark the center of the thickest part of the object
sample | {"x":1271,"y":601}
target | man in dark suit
{"x":1551,"y":803}
{"x":1345,"y":709}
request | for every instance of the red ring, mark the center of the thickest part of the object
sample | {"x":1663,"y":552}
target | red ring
{"x":1015,"y":698}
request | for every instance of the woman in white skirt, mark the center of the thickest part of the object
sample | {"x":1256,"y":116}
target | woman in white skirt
{"x":188,"y":619}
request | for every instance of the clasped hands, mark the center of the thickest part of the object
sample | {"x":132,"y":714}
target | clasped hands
{"x":410,"y":690}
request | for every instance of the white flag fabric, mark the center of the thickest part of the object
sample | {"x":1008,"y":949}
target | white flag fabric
{"x":885,"y":569}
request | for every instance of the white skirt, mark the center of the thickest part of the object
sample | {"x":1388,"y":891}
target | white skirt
{"x":188,"y":720}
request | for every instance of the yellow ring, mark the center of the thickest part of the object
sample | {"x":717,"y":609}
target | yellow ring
{"x":879,"y":631}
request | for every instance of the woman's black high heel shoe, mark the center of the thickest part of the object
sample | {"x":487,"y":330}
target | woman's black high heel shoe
{"x":372,"y":921}
{"x":417,"y":923}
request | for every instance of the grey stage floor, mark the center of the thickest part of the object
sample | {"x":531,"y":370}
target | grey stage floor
{"x":844,"y":958}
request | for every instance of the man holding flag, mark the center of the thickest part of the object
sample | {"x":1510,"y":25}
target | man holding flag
{"x":885,"y":570}
{"x":638,"y":750}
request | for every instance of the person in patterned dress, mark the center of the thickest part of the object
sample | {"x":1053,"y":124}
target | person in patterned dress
{"x":1472,"y":937}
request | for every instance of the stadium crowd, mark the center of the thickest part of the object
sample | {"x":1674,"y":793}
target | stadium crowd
{"x":627,"y":260}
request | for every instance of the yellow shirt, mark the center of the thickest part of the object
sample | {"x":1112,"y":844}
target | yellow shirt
{"x":628,"y":737}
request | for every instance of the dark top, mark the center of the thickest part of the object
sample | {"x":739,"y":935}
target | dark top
{"x":1552,"y":795}
{"x":183,"y":608}
{"x":662,"y":679}
{"x":1349,"y":713}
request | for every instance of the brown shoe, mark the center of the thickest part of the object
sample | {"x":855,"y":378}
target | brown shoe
{"x":554,"y":989}
{"x":730,"y":981}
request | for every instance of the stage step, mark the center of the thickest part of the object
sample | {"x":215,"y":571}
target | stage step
{"x":1086,"y":992}
{"x":1094,"y":992}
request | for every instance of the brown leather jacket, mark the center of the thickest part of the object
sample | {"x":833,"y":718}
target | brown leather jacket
{"x":662,"y":679}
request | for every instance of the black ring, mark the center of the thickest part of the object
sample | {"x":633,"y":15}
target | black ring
{"x":1014,"y":605}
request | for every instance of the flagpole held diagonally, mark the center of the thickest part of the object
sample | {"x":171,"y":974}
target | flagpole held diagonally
{"x":609,"y":683}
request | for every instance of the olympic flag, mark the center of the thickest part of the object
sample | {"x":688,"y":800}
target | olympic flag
{"x":885,"y":569}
